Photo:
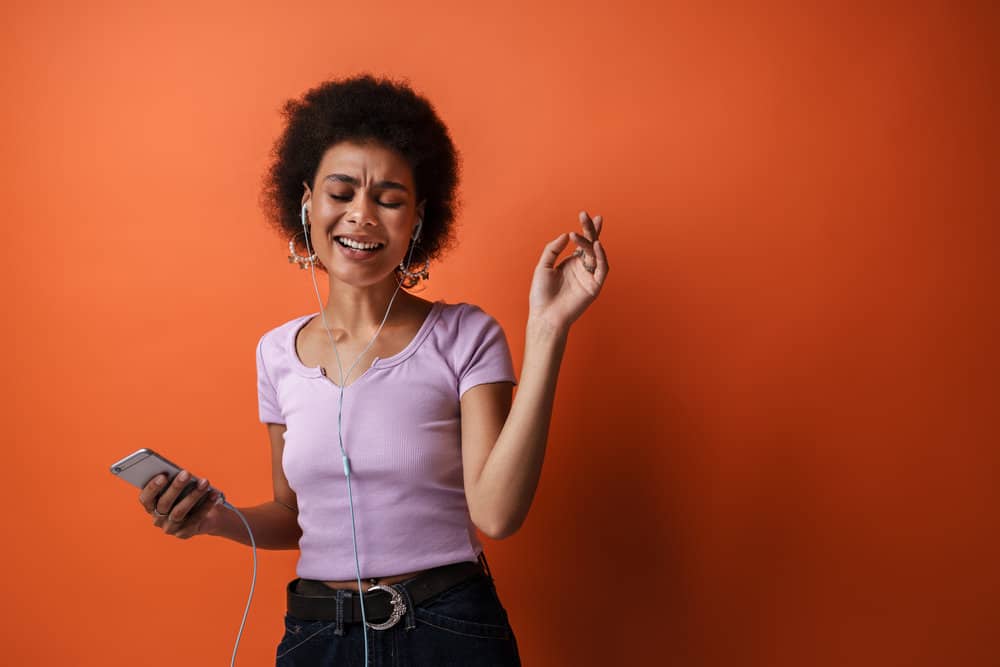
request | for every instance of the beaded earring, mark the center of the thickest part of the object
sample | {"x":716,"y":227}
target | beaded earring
{"x":411,"y":278}
{"x":294,"y":257}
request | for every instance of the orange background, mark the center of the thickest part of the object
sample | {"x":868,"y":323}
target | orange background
{"x":775,"y":435}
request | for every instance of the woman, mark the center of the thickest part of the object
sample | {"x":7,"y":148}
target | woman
{"x":392,"y":426}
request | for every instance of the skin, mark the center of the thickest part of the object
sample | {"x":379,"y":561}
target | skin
{"x":503,"y":437}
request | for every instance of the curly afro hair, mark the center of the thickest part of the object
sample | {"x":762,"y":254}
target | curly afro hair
{"x":364,"y":109}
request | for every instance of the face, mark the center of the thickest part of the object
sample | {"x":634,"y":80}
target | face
{"x":363,"y":196}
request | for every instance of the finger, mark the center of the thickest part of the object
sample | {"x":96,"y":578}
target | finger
{"x":585,"y":252}
{"x":197,"y":515}
{"x":211,"y":500}
{"x":147,"y":497}
{"x":169,"y":496}
{"x":552,"y":250}
{"x":588,"y":226}
{"x":181,"y":509}
{"x":586,"y":244}
{"x":601,"y":272}
{"x":598,"y":225}
{"x":177,"y":518}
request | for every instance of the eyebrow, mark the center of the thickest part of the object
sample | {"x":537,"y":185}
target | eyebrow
{"x":387,"y":185}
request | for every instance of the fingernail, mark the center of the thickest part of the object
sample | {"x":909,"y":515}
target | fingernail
{"x":203,"y":483}
{"x":160,"y":480}
{"x":183,"y":476}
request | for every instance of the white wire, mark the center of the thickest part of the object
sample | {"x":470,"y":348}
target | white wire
{"x":340,"y":411}
{"x":253,"y":581}
{"x":346,"y":461}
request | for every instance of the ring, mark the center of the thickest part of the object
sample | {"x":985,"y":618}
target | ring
{"x":579,"y":253}
{"x":157,"y":514}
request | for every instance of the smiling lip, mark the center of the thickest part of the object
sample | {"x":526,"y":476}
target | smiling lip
{"x":358,"y":255}
{"x":359,"y":239}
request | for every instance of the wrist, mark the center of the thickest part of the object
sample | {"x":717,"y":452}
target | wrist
{"x":542,"y":331}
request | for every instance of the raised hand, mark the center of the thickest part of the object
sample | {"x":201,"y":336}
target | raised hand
{"x":561,"y":292}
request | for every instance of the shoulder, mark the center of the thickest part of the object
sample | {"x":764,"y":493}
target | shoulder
{"x":477,"y":346}
{"x":273,"y":343}
{"x":470,"y":332}
{"x":466,"y":318}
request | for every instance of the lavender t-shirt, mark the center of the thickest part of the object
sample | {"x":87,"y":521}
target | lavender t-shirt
{"x":402,"y":433}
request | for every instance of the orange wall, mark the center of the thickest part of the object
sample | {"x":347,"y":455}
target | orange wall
{"x":774,"y":440}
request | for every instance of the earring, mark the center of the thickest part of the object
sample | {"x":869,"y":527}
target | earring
{"x":294,"y":257}
{"x":411,"y":278}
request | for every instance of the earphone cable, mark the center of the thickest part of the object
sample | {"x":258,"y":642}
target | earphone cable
{"x":347,"y":469}
{"x":340,"y":411}
{"x":253,"y":581}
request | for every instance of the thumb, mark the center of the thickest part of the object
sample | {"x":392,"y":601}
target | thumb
{"x":552,"y":250}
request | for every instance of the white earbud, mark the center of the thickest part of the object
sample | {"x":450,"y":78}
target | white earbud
{"x":305,"y":207}
{"x":416,"y":230}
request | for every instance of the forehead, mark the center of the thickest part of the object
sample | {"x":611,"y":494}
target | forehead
{"x":365,"y":161}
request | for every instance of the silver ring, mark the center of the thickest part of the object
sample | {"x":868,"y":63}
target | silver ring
{"x":157,"y":514}
{"x":579,"y":253}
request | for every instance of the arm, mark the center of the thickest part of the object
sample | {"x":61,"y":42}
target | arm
{"x":502,"y":445}
{"x":274,"y":523}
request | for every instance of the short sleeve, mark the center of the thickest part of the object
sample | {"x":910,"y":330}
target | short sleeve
{"x":267,"y":397}
{"x":482,"y":352}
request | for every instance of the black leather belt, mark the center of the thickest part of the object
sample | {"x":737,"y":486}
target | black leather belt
{"x":319,"y":603}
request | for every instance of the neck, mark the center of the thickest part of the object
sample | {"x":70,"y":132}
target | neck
{"x":360,"y":310}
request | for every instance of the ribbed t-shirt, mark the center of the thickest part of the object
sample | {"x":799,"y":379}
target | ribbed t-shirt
{"x":402,"y":433}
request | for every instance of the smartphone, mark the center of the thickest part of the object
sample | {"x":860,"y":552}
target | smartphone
{"x":143,"y":465}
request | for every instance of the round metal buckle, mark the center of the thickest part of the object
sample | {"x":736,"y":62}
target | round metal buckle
{"x":398,"y":608}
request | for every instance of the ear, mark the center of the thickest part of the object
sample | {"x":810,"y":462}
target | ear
{"x":306,"y":194}
{"x":420,"y":209}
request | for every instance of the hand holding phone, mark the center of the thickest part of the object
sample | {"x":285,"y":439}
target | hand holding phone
{"x":180,"y":503}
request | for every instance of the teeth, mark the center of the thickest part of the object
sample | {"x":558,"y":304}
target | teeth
{"x":357,"y":245}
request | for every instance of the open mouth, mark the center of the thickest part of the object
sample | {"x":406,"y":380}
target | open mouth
{"x":359,"y":246}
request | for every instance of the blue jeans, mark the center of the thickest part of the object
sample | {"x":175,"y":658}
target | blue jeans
{"x":464,"y":626}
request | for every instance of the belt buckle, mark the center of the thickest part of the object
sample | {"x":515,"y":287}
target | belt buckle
{"x":398,"y":607}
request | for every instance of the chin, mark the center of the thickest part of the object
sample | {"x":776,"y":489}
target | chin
{"x":351,"y":276}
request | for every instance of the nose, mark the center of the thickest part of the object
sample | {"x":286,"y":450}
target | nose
{"x":362,"y":211}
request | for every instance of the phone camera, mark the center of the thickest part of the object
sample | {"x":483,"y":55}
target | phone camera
{"x":117,"y":469}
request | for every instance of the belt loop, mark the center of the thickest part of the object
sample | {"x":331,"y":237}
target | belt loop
{"x":341,"y":594}
{"x":484,"y":564}
{"x":411,"y":613}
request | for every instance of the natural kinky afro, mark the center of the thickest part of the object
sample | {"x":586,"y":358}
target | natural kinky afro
{"x":364,"y":109}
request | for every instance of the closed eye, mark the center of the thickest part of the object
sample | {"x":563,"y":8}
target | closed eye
{"x":386,"y":204}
